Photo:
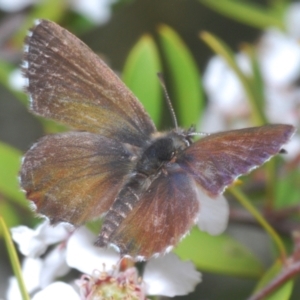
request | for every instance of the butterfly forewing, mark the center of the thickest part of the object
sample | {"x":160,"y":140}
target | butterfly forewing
{"x":74,"y":176}
{"x":67,"y":82}
{"x":217,"y":160}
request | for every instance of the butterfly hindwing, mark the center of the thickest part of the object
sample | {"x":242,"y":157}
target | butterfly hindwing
{"x":74,"y":176}
{"x":162,"y":215}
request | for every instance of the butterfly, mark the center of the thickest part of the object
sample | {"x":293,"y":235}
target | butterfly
{"x":151,"y":187}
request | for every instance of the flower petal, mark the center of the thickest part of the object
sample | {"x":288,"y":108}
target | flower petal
{"x":54,"y":266}
{"x":58,"y":291}
{"x":53,"y":234}
{"x":213,"y":215}
{"x":31,"y":269}
{"x":14,"y":6}
{"x":13,"y":292}
{"x":96,"y":11}
{"x":34,"y":242}
{"x":278,"y":51}
{"x":292,"y":20}
{"x":169,"y":276}
{"x":25,"y":237}
{"x":85,"y":257}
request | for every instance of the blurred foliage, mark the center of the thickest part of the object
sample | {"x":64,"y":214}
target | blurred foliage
{"x":140,"y":75}
{"x":250,"y":13}
{"x":220,"y":254}
{"x":184,"y":78}
{"x":169,"y":54}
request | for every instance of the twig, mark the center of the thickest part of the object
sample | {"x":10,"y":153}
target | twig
{"x":287,"y":273}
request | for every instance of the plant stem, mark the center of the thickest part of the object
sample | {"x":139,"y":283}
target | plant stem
{"x":14,"y":259}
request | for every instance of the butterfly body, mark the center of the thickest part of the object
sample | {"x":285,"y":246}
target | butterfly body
{"x":151,"y":187}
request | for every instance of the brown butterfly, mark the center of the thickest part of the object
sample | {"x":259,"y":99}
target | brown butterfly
{"x":151,"y":186}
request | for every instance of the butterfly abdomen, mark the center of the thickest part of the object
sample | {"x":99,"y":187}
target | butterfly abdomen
{"x":126,"y":200}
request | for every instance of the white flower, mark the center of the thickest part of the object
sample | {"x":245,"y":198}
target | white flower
{"x":278,"y":56}
{"x":54,"y":265}
{"x":37,"y":272}
{"x":227,"y":105}
{"x":97,"y":11}
{"x":58,"y":291}
{"x":11,"y":6}
{"x":31,"y":269}
{"x":115,"y":284}
{"x":81,"y":245}
{"x":166,"y":275}
{"x":34,"y":242}
{"x":16,"y":80}
{"x":221,"y":83}
{"x":292,"y":19}
{"x":169,"y":276}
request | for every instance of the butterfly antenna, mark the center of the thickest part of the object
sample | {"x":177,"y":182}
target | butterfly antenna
{"x":163,"y":84}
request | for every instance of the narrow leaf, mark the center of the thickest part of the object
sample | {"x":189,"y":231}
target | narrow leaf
{"x":10,"y":160}
{"x":185,"y":77}
{"x":140,"y":75}
{"x":245,"y":12}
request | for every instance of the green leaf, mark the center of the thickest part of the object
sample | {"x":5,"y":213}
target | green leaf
{"x":278,"y":8}
{"x":140,"y":75}
{"x":284,"y":291}
{"x":245,"y":12}
{"x":95,"y":226}
{"x":256,"y":80}
{"x":219,"y":254}
{"x":8,"y":213}
{"x":287,"y":189}
{"x":78,"y":23}
{"x":10,"y":161}
{"x":185,"y":78}
{"x":51,"y":126}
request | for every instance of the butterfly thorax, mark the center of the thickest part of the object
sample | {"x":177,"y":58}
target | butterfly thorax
{"x":162,"y":150}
